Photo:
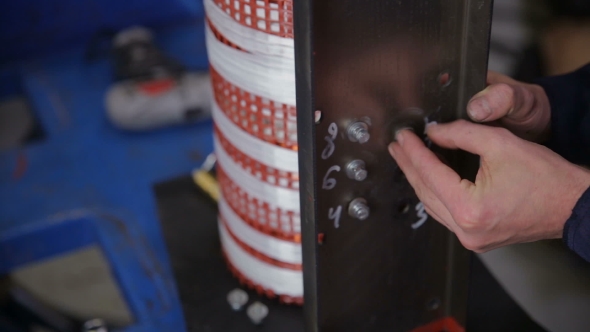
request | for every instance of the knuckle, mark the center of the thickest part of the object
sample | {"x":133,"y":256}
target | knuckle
{"x":528,"y":99}
{"x":503,"y":91}
{"x":472,"y":218}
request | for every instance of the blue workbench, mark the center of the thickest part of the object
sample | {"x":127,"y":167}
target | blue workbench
{"x":84,"y":182}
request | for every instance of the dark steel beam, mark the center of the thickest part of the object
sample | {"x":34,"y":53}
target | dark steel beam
{"x":384,"y":64}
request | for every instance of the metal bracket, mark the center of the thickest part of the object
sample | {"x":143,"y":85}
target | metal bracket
{"x":387,"y":64}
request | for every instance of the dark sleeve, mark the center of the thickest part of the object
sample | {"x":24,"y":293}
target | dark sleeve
{"x":569,"y":96}
{"x":576,"y":233}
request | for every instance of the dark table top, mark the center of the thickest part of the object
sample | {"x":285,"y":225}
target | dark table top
{"x":189,"y":224}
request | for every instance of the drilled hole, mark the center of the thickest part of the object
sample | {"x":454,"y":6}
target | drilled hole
{"x":403,"y":207}
{"x":444,"y":79}
{"x":318,"y":117}
{"x":433,"y":304}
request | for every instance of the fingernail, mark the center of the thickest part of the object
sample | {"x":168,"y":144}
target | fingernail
{"x":399,"y":136}
{"x":391,"y":150}
{"x":479,"y":109}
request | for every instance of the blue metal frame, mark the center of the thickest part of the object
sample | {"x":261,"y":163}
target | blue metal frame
{"x":87,"y":182}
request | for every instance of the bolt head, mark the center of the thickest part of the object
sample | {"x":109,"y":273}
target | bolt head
{"x":359,"y":132}
{"x":363,"y":136}
{"x":257,"y":312}
{"x":360,"y":175}
{"x":362,"y":214}
{"x":237,"y":298}
{"x":358,"y":209}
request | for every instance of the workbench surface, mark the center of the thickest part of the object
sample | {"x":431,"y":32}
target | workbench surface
{"x":189,"y":225}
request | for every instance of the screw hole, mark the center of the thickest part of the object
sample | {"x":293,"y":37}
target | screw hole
{"x":444,"y":79}
{"x":404,"y":207}
{"x":433,"y":304}
{"x":318,"y":117}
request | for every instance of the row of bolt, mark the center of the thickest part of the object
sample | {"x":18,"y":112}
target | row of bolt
{"x":356,"y":169}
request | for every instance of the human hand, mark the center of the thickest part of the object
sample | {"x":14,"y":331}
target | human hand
{"x":523,"y":192}
{"x":522,"y":108}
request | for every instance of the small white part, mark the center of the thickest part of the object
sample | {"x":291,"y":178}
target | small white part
{"x":133,"y":34}
{"x":257,"y":312}
{"x":237,"y":299}
{"x":130,"y":108}
{"x":95,"y":325}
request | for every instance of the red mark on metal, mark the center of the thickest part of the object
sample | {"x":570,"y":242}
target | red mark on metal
{"x":321,"y":237}
{"x":153,"y":88}
{"x":448,"y":324}
{"x":21,"y":166}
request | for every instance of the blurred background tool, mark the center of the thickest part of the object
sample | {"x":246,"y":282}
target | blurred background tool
{"x":79,"y":229}
{"x":153,"y":90}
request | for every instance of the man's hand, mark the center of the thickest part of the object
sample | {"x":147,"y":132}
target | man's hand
{"x":523,"y":191}
{"x":522,"y":108}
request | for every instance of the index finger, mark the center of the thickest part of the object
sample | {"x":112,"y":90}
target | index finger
{"x":444,"y":182}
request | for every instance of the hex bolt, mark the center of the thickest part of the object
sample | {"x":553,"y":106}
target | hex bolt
{"x":95,"y":325}
{"x":237,"y":299}
{"x":257,"y":312}
{"x":358,"y":132}
{"x":356,"y":170}
{"x":359,"y":209}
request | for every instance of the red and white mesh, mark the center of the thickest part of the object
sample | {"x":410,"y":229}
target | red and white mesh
{"x":250,"y":47}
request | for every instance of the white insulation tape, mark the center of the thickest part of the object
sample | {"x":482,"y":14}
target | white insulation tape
{"x":263,"y":75}
{"x":252,"y":40}
{"x":263,"y":152}
{"x":281,"y":250}
{"x":280,"y":280}
{"x":283,"y":198}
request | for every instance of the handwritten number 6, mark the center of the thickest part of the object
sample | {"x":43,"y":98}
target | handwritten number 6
{"x":330,"y":183}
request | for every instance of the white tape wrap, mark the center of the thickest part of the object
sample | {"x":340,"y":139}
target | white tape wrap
{"x":263,"y":152}
{"x":281,"y":250}
{"x":280,"y":280}
{"x":252,"y":40}
{"x":263,"y":75}
{"x":283,"y":198}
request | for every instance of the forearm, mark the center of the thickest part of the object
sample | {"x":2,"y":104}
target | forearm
{"x":569,"y":96}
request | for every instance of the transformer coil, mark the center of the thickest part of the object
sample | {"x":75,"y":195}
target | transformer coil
{"x":250,"y":48}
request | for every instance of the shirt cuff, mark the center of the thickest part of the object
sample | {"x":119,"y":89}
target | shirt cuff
{"x":576,"y":232}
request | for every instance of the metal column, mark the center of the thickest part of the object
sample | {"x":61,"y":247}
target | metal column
{"x":379,"y":66}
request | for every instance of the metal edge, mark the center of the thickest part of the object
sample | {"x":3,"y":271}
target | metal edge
{"x":475,"y":45}
{"x":303,"y":27}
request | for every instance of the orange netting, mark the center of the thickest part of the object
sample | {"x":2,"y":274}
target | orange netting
{"x":274,"y":17}
{"x":260,"y":215}
{"x":261,"y":171}
{"x":261,"y":290}
{"x":270,"y":121}
{"x":253,"y":252}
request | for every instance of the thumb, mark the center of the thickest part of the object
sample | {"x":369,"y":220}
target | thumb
{"x":501,"y":100}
